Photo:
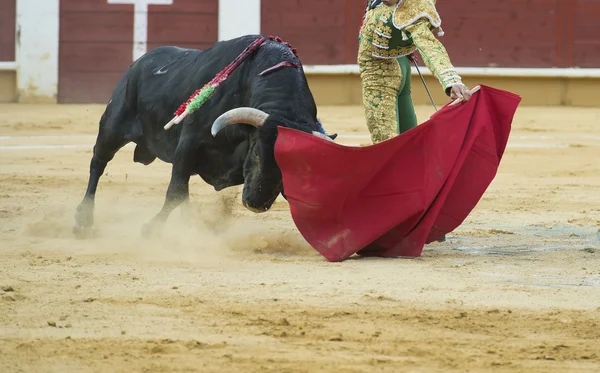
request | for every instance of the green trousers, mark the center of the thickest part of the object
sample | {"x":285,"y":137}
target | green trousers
{"x":405,"y":111}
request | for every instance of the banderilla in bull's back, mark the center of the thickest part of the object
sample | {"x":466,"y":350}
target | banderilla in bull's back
{"x":202,"y":95}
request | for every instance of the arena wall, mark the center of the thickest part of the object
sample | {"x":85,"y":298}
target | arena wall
{"x":546,"y":51}
{"x":99,"y":39}
{"x":8,"y":66}
{"x":340,"y":85}
{"x":74,"y":51}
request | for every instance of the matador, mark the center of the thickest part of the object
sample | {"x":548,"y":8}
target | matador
{"x":391,"y":31}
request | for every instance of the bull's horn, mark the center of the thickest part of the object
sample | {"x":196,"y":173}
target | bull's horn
{"x":246,"y":115}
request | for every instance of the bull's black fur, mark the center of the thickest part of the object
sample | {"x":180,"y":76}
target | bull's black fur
{"x":156,"y":84}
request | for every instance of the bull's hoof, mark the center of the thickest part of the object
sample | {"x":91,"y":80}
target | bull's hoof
{"x":82,"y":232}
{"x":84,"y":215}
{"x":442,"y":239}
{"x":188,"y":216}
{"x":84,"y":219}
{"x":152,"y":229}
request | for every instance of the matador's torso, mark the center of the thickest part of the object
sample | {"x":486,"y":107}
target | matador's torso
{"x":385,"y":27}
{"x":398,"y":30}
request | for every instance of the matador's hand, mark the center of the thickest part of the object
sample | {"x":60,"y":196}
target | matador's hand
{"x":460,"y":91}
{"x":412,"y":57}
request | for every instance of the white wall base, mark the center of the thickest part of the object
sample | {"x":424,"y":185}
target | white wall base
{"x":8,"y":66}
{"x":470,"y":71}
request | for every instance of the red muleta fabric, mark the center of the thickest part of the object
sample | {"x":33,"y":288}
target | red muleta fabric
{"x":392,"y":198}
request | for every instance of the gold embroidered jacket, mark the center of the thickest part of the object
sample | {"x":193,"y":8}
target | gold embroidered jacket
{"x":395,"y":31}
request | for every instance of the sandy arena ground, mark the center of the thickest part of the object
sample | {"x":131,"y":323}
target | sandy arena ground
{"x":515,"y":289}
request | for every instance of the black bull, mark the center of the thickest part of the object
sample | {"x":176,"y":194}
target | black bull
{"x":155,"y":85}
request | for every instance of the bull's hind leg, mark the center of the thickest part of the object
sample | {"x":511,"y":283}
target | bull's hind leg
{"x":107,"y":144}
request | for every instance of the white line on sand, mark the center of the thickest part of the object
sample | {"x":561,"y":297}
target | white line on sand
{"x":47,"y":137}
{"x":341,"y":136}
{"x":68,"y":146}
{"x":90,"y":146}
{"x":24,"y":147}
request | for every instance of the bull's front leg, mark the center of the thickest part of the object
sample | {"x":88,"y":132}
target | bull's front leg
{"x":178,"y":191}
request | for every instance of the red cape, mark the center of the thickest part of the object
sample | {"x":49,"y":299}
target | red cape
{"x":392,"y":198}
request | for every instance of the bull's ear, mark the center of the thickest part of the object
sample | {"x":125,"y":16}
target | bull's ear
{"x":333,"y":136}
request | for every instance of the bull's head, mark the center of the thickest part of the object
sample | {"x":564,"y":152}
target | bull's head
{"x":262,"y":176}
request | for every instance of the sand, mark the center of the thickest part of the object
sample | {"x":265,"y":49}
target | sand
{"x":516,"y":288}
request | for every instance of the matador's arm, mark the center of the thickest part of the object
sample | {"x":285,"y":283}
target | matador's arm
{"x":434,"y":54}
